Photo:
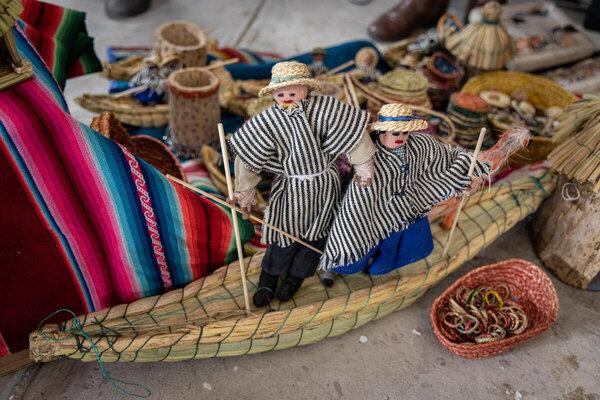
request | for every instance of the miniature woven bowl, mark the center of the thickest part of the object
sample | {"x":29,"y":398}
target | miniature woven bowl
{"x":403,"y":80}
{"x":526,"y":282}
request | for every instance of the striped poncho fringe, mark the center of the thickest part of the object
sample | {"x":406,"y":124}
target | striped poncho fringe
{"x":400,"y":193}
{"x":300,"y":146}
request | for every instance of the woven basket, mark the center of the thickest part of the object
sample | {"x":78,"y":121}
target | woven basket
{"x":541,"y":92}
{"x":127,"y":110}
{"x":184,"y":39}
{"x":526,"y":282}
{"x":194,"y":110}
{"x":149,"y":149}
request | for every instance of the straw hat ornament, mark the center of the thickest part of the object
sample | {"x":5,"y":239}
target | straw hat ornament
{"x":397,"y":118}
{"x":289,"y":73}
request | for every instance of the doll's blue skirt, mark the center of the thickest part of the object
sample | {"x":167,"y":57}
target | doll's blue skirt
{"x":400,"y":249}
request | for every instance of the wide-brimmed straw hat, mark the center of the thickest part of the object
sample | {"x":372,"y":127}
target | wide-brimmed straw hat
{"x":397,"y":118}
{"x":289,"y":73}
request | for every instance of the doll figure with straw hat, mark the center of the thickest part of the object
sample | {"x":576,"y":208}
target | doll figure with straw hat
{"x":384,"y":226}
{"x":297,"y":139}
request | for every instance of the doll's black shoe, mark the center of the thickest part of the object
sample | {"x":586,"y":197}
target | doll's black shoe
{"x":327,"y":278}
{"x":266,"y":289}
{"x":289,"y":287}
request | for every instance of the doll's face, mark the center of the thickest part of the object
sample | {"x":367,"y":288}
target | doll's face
{"x":393,"y":140}
{"x":290,"y":94}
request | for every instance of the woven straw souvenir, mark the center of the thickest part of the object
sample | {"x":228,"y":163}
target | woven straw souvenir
{"x":127,"y":110}
{"x":539,"y":91}
{"x":444,"y":79}
{"x":207,"y":319}
{"x":405,"y":86}
{"x":483,"y":45}
{"x":530,"y":287}
{"x":149,"y":149}
{"x":194,"y":110}
{"x":183,"y":39}
{"x":469,"y":113}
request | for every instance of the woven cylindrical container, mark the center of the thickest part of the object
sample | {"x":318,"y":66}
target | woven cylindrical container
{"x":527,"y":283}
{"x":469,"y":113}
{"x":194,"y":110}
{"x":183,"y":39}
{"x":444,"y":79}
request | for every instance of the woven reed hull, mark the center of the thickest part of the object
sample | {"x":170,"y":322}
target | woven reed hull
{"x":128,"y":111}
{"x":206,"y":318}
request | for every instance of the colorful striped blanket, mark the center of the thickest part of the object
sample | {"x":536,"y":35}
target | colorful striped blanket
{"x":84,"y":224}
{"x":60,"y":37}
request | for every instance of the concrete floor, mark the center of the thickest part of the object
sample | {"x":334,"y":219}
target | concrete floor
{"x":401,"y":358}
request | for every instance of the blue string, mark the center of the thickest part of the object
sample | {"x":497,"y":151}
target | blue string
{"x":76,"y":327}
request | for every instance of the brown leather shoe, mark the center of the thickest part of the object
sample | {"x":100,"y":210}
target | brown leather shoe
{"x":407,"y":15}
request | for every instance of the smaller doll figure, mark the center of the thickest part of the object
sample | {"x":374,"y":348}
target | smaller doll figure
{"x":317,"y":67}
{"x":384,"y":226}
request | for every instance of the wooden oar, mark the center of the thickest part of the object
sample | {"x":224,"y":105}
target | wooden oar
{"x":236,"y":228}
{"x":335,"y":70}
{"x":224,"y":203}
{"x":464,"y":199}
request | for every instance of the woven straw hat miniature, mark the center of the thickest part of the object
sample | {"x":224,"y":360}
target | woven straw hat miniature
{"x":289,"y":73}
{"x":397,"y":118}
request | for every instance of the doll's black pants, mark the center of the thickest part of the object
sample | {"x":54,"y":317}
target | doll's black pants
{"x":296,"y":259}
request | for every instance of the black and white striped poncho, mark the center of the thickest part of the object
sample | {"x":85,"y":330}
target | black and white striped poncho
{"x":400,"y":193}
{"x":300,"y":145}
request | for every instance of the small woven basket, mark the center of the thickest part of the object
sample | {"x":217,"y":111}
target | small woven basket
{"x":183,"y":39}
{"x":194,"y":110}
{"x":469,"y":113}
{"x":541,"y":92}
{"x":526,"y":282}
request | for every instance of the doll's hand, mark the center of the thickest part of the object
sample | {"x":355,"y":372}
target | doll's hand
{"x":246,"y":199}
{"x":364,"y":173}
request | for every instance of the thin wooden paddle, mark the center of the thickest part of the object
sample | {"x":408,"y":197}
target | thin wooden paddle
{"x":464,"y":199}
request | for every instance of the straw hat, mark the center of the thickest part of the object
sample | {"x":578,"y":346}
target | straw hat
{"x":397,"y":118}
{"x":318,"y":51}
{"x":289,"y":73}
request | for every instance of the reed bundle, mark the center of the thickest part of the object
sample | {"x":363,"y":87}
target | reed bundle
{"x":578,"y":157}
{"x":207,"y":318}
{"x":573,"y":117}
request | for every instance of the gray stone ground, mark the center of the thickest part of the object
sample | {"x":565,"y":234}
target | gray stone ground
{"x":401,"y":358}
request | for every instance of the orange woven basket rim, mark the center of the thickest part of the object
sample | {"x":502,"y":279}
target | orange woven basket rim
{"x":498,"y":346}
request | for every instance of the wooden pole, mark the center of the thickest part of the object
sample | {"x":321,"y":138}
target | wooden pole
{"x":464,"y":199}
{"x":335,"y":70}
{"x":236,"y":228}
{"x":224,"y":203}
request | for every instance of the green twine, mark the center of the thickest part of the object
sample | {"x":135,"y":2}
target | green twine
{"x":76,"y":327}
